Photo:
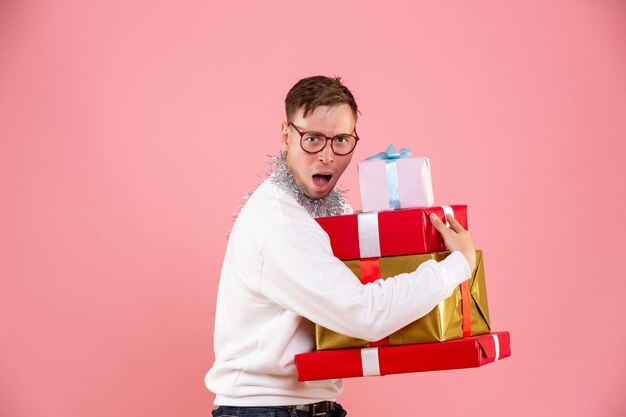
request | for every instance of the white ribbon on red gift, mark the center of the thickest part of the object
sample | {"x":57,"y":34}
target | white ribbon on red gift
{"x":369,"y":240}
{"x":370,"y":362}
{"x":447,"y":210}
{"x":497,"y":343}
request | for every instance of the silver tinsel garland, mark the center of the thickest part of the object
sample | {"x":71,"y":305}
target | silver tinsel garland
{"x":334,"y":204}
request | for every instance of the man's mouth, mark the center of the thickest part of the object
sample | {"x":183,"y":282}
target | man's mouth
{"x":321,"y":179}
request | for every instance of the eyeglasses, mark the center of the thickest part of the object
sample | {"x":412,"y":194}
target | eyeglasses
{"x":313,"y":142}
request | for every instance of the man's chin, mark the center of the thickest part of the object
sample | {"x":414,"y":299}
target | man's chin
{"x":314,"y":194}
{"x":317,"y":196}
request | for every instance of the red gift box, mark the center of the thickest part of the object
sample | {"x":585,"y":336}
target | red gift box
{"x":346,"y":363}
{"x":388,"y":233}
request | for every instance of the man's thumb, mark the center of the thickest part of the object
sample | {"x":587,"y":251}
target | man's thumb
{"x":436,"y":221}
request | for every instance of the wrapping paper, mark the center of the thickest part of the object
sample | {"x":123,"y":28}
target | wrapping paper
{"x":465,"y":313}
{"x":388,"y":233}
{"x":395,"y":181}
{"x":346,"y":363}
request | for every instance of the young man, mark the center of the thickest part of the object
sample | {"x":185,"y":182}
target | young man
{"x":279,"y":274}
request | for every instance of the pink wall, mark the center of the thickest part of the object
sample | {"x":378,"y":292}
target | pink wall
{"x":129,"y":131}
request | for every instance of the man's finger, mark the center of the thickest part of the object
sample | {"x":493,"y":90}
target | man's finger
{"x":439,"y":225}
{"x":454,"y":224}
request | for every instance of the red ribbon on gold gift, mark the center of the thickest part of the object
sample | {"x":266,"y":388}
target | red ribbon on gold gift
{"x":466,"y":310}
{"x":370,"y":272}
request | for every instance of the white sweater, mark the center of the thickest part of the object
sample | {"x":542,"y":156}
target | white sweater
{"x":278,"y":278}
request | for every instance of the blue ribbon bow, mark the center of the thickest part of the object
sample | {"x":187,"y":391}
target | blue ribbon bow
{"x":391,"y":153}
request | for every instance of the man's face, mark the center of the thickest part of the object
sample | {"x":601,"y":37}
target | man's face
{"x":317,"y":174}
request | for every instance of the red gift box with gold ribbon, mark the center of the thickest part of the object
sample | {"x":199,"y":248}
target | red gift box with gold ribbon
{"x":388,"y":233}
{"x":346,"y":363}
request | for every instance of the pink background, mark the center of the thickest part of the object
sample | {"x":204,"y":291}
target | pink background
{"x":130,"y":129}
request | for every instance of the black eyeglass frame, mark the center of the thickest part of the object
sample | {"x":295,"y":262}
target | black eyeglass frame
{"x":355,"y":136}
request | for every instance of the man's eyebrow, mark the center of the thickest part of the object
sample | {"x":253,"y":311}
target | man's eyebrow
{"x":319,"y":131}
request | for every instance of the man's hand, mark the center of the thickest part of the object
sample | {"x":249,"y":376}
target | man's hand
{"x":456,"y":238}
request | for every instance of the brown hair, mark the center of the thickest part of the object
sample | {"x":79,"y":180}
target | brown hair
{"x":319,"y":90}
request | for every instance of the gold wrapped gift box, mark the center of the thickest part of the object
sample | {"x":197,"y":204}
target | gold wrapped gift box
{"x":444,"y":322}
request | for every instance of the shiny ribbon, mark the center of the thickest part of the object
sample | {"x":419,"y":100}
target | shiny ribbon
{"x":466,"y":302}
{"x":369,"y":240}
{"x":370,"y":272}
{"x":497,"y":343}
{"x":466,"y":309}
{"x":370,"y":362}
{"x":447,"y":210}
{"x":390,"y":156}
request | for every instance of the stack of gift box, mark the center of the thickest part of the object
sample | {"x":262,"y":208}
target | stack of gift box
{"x":394,"y":235}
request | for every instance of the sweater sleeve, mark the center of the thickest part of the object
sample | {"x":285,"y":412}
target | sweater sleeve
{"x":300,"y":274}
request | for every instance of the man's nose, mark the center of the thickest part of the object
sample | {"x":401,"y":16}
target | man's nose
{"x":326,"y":155}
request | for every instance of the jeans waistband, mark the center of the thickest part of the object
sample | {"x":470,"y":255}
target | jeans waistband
{"x":319,"y":409}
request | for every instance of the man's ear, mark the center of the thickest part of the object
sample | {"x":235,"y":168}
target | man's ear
{"x":284,"y":136}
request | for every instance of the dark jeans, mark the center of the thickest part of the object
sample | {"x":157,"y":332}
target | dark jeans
{"x":226,"y":411}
